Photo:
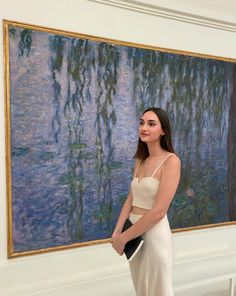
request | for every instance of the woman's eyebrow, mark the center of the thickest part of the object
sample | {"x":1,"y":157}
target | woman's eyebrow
{"x":150,"y":120}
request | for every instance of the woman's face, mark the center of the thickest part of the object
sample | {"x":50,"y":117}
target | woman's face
{"x":150,"y":129}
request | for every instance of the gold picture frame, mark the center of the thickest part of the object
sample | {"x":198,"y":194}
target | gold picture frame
{"x":56,"y":63}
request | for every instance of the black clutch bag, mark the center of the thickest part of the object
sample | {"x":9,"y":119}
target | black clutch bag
{"x":133,"y":246}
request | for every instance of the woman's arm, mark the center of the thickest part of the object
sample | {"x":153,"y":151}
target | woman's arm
{"x":170,"y":177}
{"x":124,"y":214}
{"x":125,"y":211}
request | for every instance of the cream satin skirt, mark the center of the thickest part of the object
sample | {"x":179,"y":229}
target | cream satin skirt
{"x":151,"y":268}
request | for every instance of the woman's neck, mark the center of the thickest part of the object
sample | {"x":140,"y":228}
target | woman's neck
{"x":155,"y":149}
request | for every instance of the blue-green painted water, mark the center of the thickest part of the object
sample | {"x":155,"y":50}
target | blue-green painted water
{"x":75,"y":107}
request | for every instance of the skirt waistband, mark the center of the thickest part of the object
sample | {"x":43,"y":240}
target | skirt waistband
{"x":134,"y":217}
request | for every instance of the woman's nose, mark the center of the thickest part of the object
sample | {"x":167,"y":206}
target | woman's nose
{"x":144,"y":127}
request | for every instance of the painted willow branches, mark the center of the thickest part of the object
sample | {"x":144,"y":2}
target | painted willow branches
{"x":75,"y":105}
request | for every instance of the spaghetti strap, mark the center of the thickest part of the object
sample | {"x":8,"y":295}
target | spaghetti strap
{"x":135,"y":175}
{"x":161,"y":164}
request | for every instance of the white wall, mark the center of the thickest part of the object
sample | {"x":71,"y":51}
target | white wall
{"x":144,"y":23}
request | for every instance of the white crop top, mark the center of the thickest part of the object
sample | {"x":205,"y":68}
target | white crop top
{"x":144,"y":191}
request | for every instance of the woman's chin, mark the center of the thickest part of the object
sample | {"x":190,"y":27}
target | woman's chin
{"x":144,"y":139}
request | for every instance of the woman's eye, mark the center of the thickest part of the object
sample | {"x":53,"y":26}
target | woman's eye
{"x":140,"y":122}
{"x":152,"y":124}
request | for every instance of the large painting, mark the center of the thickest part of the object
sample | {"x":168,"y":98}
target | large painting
{"x":73,"y":104}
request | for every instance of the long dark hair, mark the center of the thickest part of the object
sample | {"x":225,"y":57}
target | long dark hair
{"x":165,"y":141}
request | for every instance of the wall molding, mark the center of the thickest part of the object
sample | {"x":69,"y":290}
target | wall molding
{"x":172,"y":14}
{"x":104,"y":272}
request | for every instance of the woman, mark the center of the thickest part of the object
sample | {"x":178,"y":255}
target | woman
{"x":156,"y":177}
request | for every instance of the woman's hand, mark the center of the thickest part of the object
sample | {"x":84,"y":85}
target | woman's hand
{"x":118,"y":243}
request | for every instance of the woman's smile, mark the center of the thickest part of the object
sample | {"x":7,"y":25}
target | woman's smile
{"x":144,"y":134}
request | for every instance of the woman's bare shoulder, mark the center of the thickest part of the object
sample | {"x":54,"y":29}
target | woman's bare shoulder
{"x":137,"y":163}
{"x":171,"y":168}
{"x":173,"y":160}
